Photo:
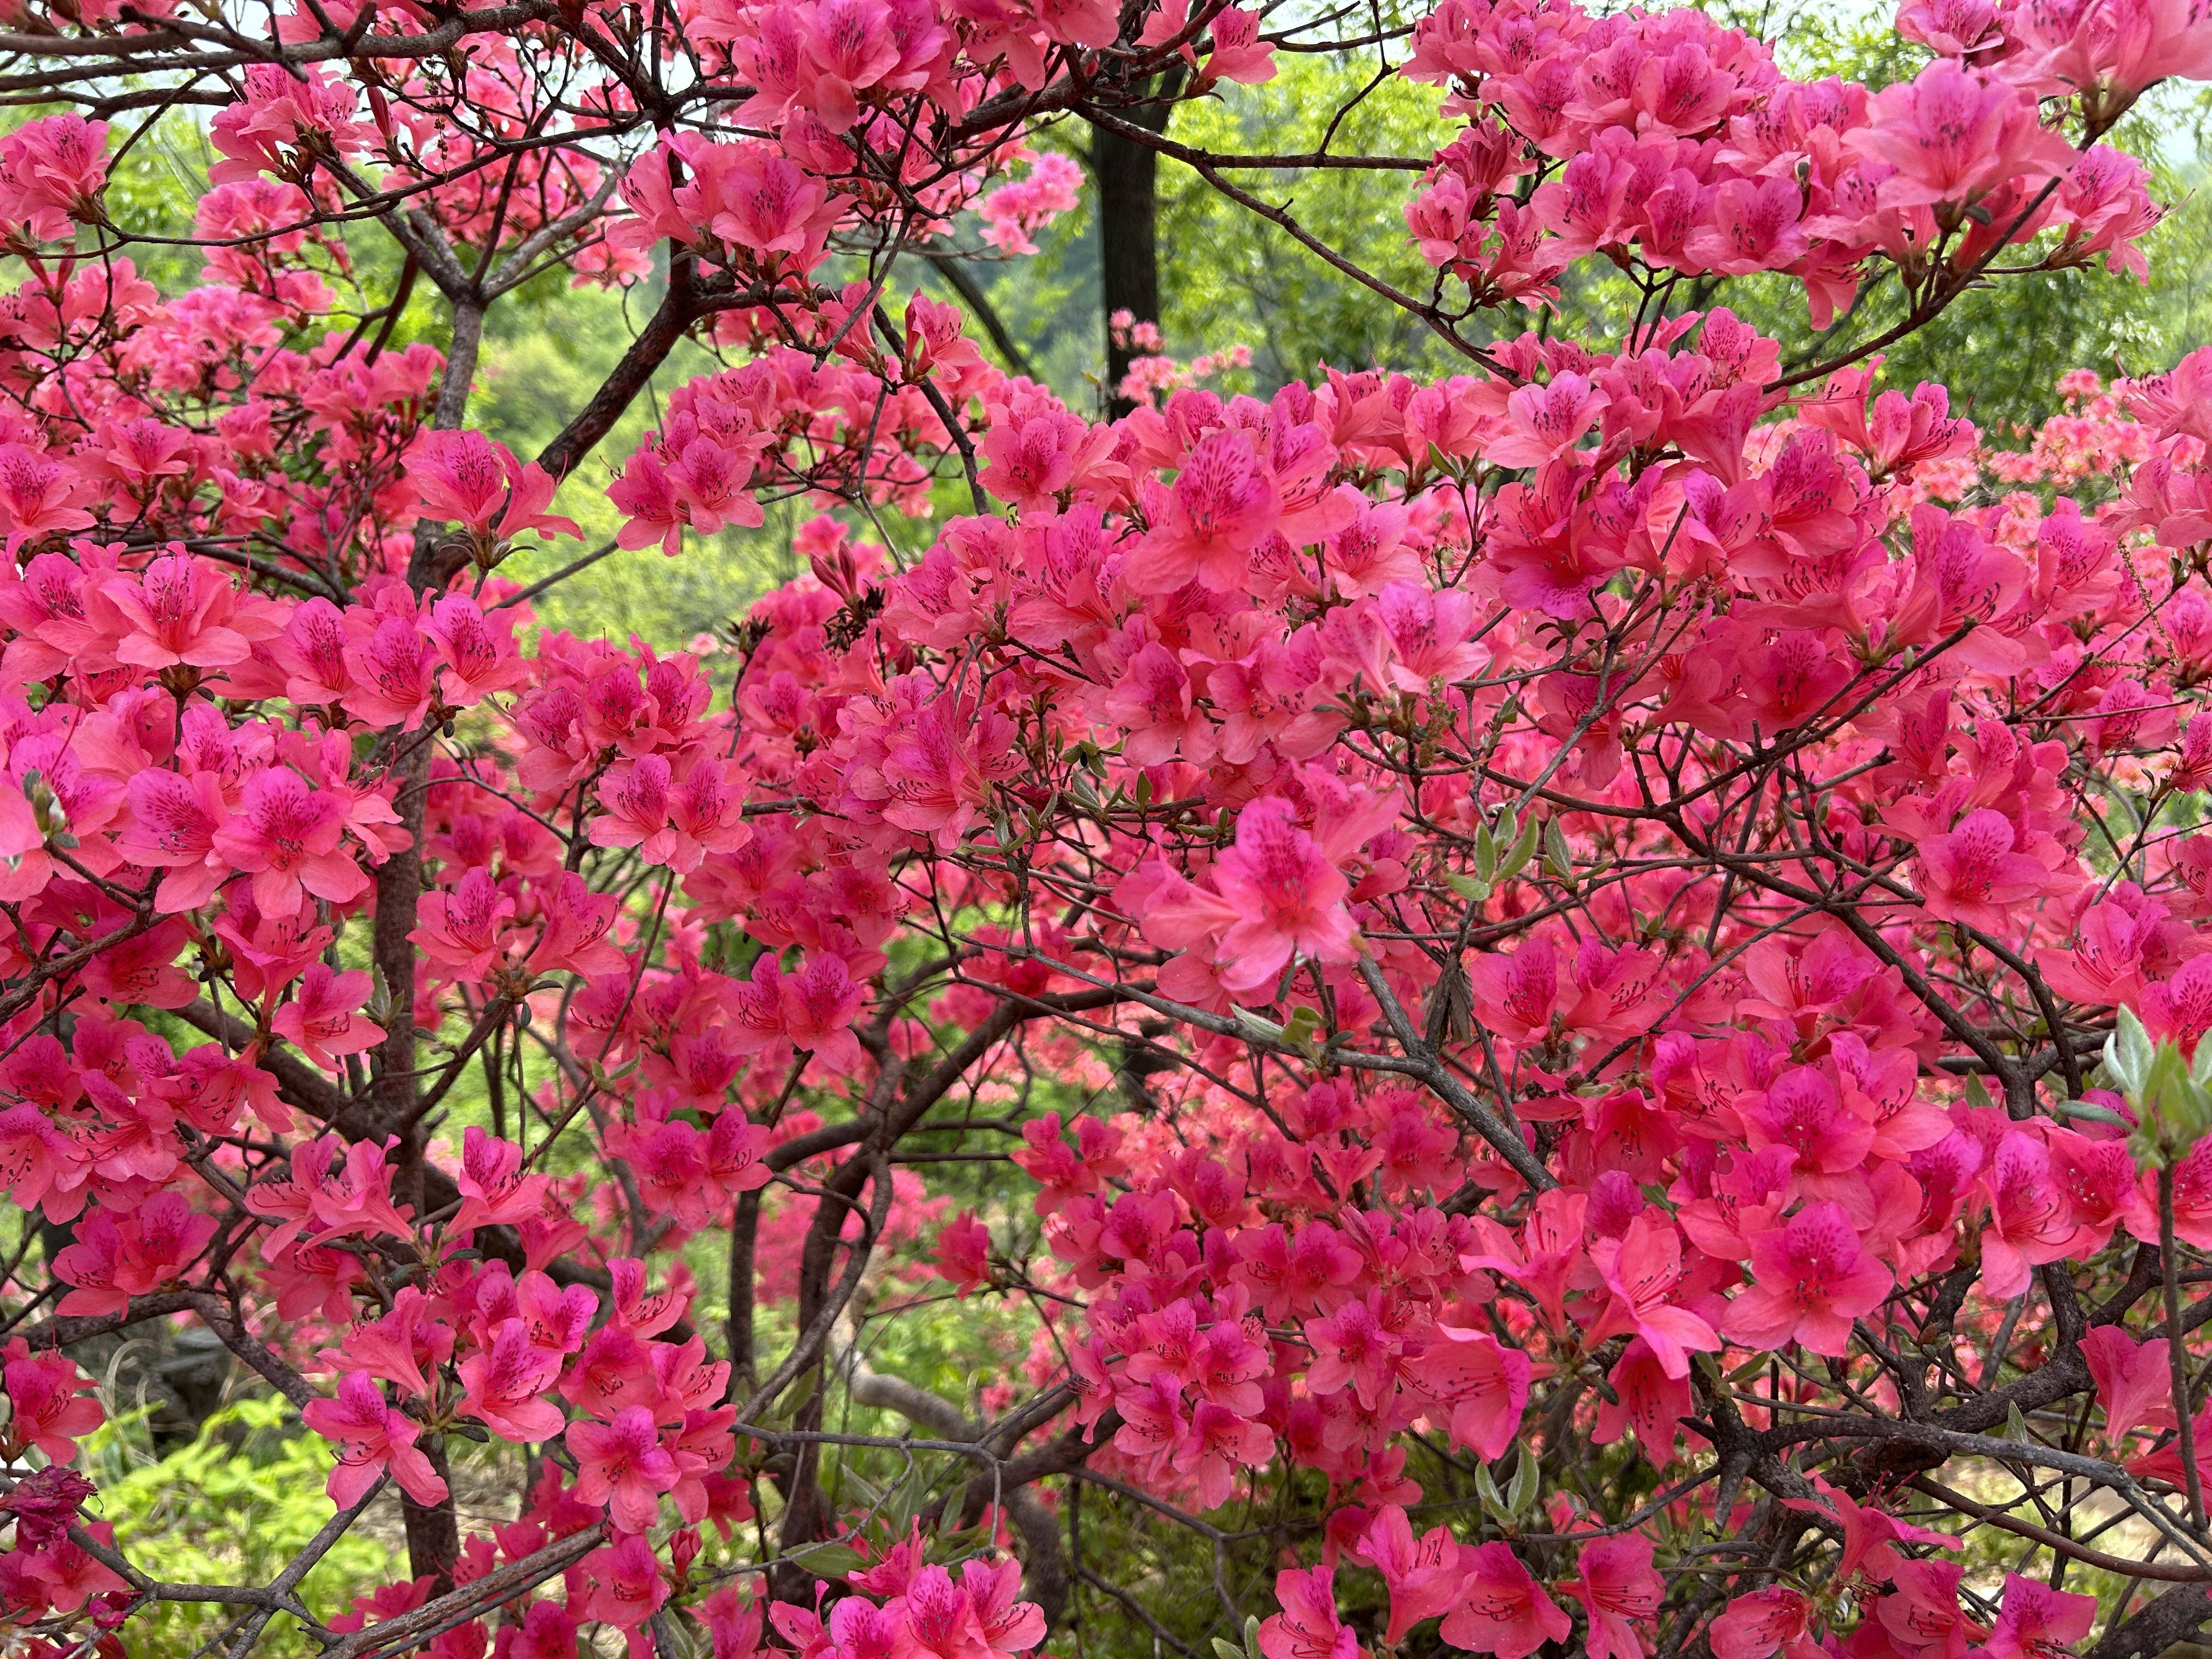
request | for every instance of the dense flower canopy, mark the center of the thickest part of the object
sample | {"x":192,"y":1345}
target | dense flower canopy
{"x":1639,"y":905}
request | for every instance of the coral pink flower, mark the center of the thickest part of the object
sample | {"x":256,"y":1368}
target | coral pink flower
{"x":478,"y":649}
{"x":627,"y":1587}
{"x":1546,"y":421}
{"x":1222,"y":505}
{"x":1218,"y":1441}
{"x":1500,"y":1608}
{"x":1972,"y":875}
{"x":2030,"y":1221}
{"x":1756,"y":1624}
{"x":495,"y":1189}
{"x":2135,"y":1384}
{"x":673,"y":820}
{"x":1287,"y":895}
{"x":393,"y":666}
{"x":372,"y":1438}
{"x":463,"y":931}
{"x":183,"y":610}
{"x":114,"y":1261}
{"x":52,"y":172}
{"x":1924,"y":1618}
{"x":2037,"y":1622}
{"x":1954,"y":134}
{"x":979,"y":1617}
{"x":623,"y":1464}
{"x":501,"y":1385}
{"x":468,"y":478}
{"x":50,"y":1401}
{"x":323,"y":1019}
{"x":1483,"y":1383}
{"x":963,"y":1250}
{"x":173,"y":825}
{"x":1618,"y":1589}
{"x":1641,"y":1271}
{"x":38,"y":495}
{"x":1424,"y":1575}
{"x":286,"y":837}
{"x":1814,"y":1280}
{"x":1308,"y":1627}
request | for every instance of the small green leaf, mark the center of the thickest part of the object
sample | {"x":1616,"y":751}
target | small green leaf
{"x":1521,"y":1495}
{"x":1475,"y":892}
{"x":787,"y":1409}
{"x":1227,"y":1649}
{"x":1559,"y":858}
{"x":1524,"y":849}
{"x":2129,"y":1051}
{"x":1265,"y":1029}
{"x":1485,"y":853}
{"x":1492,"y":1498}
{"x":2015,"y":1424}
{"x":829,"y":1560}
{"x":2093,"y":1113}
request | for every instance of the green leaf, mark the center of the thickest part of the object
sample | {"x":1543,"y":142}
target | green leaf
{"x":800,"y":1391}
{"x":1227,"y":1649}
{"x":1524,"y":849}
{"x":2174,"y":1107}
{"x":1492,"y":1498}
{"x":2015,"y":1424}
{"x":2095,"y":1114}
{"x":1977,"y":1093}
{"x":1265,"y":1029}
{"x":831,"y":1560}
{"x":1485,"y":853}
{"x":2200,"y":1069}
{"x":2129,"y":1052}
{"x":1475,"y":892}
{"x":1521,"y":1495}
{"x":1559,"y":858}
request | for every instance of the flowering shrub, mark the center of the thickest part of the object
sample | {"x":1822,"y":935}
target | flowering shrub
{"x":1644,"y":902}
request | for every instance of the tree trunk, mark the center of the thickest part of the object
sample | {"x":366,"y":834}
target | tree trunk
{"x":1129,"y":247}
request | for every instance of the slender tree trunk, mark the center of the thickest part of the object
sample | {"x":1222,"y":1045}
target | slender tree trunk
{"x":1127,"y":175}
{"x":433,"y":1539}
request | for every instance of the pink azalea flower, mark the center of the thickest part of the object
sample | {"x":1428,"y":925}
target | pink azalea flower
{"x":1223,"y":505}
{"x":1308,"y":1627}
{"x":323,"y":1019}
{"x":1618,"y":1589}
{"x":623,"y":1464}
{"x":503,"y":1385}
{"x":1287,"y":895}
{"x":2037,"y":1622}
{"x":372,"y":1438}
{"x":1762,"y":1622}
{"x":1813,"y":1280}
{"x":2134,"y":1382}
{"x":470,"y":478}
{"x":1500,"y":1608}
{"x":1972,"y":875}
{"x":1424,"y":1575}
{"x":286,"y":835}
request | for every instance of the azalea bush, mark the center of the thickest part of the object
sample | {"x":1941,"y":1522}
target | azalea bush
{"x":1555,"y":1010}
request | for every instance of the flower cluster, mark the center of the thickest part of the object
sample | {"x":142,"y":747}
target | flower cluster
{"x":1598,"y":885}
